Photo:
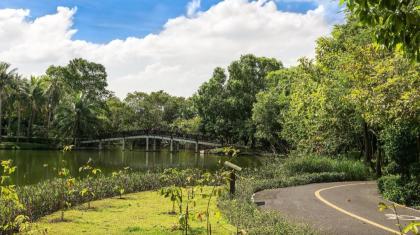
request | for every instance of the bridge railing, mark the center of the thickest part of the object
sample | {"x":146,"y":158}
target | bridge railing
{"x":173,"y":134}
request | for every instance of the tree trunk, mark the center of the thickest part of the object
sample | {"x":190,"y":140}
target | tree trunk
{"x":18,"y":124}
{"x":367,"y":142}
{"x":1,"y":115}
{"x":379,"y":163}
{"x":9,"y":125}
{"x":273,"y":148}
{"x":49,"y":121}
{"x":31,"y":120}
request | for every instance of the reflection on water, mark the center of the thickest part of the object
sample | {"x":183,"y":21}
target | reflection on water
{"x":37,"y":165}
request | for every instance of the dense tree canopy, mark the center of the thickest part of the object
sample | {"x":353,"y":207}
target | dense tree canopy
{"x":225,"y":104}
{"x":395,"y":23}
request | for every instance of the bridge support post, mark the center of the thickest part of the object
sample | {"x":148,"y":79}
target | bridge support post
{"x":154,"y":144}
{"x":171,"y":148}
{"x":132,"y":145}
{"x":123,"y":144}
{"x":147,"y":144}
{"x":196,"y":146}
{"x":100,"y":145}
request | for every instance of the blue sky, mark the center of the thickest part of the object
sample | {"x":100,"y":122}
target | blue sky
{"x":101,"y":21}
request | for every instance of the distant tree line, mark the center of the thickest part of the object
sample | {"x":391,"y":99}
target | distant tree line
{"x":73,"y":102}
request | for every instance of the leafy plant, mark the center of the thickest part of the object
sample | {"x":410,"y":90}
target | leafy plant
{"x":67,"y":189}
{"x":90,"y":171}
{"x":187,"y":201}
{"x":12,"y":208}
{"x":121,"y":174}
{"x":174,"y":194}
{"x":216,"y":180}
{"x":231,"y":151}
{"x":411,"y":227}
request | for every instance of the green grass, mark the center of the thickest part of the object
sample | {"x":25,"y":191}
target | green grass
{"x":355,"y":170}
{"x":137,"y":213}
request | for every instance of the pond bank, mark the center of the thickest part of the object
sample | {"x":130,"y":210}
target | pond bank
{"x":24,"y":146}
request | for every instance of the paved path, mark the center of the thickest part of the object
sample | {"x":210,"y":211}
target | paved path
{"x":336,"y":208}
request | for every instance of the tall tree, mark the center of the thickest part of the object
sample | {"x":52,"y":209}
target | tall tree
{"x":83,"y":76}
{"x":269,"y":110}
{"x":246,"y":79}
{"x":210,"y":101}
{"x":78,"y":116}
{"x":36,"y":101}
{"x":6,"y":76}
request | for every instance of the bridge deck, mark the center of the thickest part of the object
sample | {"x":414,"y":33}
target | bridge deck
{"x":169,"y":138}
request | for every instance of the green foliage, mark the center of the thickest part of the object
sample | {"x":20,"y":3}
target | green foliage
{"x":270,"y":107}
{"x":411,"y":227}
{"x":185,"y":198}
{"x":395,"y":23}
{"x":396,"y":189}
{"x":11,"y":208}
{"x":120,"y":188}
{"x":90,"y":171}
{"x":225,"y":105}
{"x":355,"y":170}
{"x":231,"y":151}
{"x":401,"y":146}
{"x":66,"y":189}
{"x":157,"y":110}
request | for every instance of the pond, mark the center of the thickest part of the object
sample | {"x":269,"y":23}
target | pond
{"x":34,"y":166}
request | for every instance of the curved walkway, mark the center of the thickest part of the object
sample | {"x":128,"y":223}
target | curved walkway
{"x":337,"y":208}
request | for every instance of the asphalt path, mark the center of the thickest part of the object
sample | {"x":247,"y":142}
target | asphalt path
{"x":337,"y":208}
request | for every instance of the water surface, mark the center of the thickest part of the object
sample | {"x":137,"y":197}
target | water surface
{"x":34,"y":166}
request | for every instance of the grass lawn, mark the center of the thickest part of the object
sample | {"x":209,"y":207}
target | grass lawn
{"x":137,"y":213}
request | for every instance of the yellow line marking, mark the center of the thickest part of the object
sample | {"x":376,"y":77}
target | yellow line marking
{"x":318,"y":195}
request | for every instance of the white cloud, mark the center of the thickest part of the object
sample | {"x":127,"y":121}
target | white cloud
{"x":192,"y":7}
{"x":179,"y":58}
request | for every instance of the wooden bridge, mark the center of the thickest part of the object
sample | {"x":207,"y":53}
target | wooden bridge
{"x":154,"y":135}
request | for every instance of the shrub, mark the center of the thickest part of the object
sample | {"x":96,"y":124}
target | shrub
{"x":395,"y":189}
{"x":354,"y":170}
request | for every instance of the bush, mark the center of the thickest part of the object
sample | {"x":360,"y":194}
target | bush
{"x":393,"y":188}
{"x":354,"y":170}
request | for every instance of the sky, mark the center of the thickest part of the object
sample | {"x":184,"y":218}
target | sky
{"x":149,"y":45}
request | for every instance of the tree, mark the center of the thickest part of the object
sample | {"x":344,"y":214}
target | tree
{"x":225,"y":105}
{"x":36,"y":101}
{"x":395,"y":23}
{"x":54,"y":89}
{"x":21,"y":99}
{"x":83,"y":76}
{"x":271,"y":105}
{"x":246,"y":79}
{"x":6,"y":76}
{"x":210,"y":101}
{"x":78,"y":116}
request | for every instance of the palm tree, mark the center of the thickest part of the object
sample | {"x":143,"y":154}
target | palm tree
{"x":54,"y":87}
{"x":78,"y":115}
{"x":6,"y":76}
{"x":21,"y":97}
{"x":36,"y":99}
